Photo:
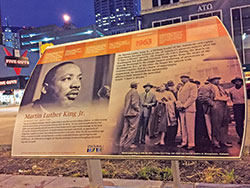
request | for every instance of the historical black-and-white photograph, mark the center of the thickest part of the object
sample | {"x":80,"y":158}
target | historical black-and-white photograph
{"x":196,"y":107}
{"x":70,"y":84}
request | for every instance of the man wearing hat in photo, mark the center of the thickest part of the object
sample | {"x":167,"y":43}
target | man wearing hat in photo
{"x":131,"y":116}
{"x":185,"y":104}
{"x":238,"y":98}
{"x":171,"y":87}
{"x":148,"y":100}
{"x":217,"y":98}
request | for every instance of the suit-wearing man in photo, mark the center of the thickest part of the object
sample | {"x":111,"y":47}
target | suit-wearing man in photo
{"x":185,"y":104}
{"x":202,"y":93}
{"x":131,"y":116}
{"x":237,"y":96}
{"x":148,"y":100}
{"x":201,"y":131}
{"x":217,"y":98}
{"x":173,"y":114}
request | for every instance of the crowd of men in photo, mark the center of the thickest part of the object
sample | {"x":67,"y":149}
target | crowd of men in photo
{"x":199,"y":111}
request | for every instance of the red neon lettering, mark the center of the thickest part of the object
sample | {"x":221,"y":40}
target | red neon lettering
{"x":2,"y":83}
{"x":11,"y":61}
{"x":11,"y":82}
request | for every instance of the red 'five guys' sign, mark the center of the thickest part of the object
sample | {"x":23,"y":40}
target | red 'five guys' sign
{"x":11,"y":61}
{"x":8,"y":82}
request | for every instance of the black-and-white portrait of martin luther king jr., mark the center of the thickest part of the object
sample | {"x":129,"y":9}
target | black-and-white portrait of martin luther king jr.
{"x":60,"y":87}
{"x":70,"y":84}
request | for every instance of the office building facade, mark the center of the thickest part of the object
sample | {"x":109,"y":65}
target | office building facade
{"x":30,"y":38}
{"x":117,"y":16}
{"x":235,"y":14}
{"x":11,"y":37}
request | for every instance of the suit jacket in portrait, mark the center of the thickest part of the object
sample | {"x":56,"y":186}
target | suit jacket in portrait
{"x":132,"y":103}
{"x":209,"y":93}
{"x":147,"y":100}
{"x":206,"y":94}
{"x":187,"y":96}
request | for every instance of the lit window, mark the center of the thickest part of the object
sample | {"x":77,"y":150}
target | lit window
{"x":34,"y":49}
{"x":25,"y":43}
{"x":24,"y":36}
{"x":48,"y":39}
{"x":89,"y":32}
{"x":34,"y":41}
{"x":33,"y":34}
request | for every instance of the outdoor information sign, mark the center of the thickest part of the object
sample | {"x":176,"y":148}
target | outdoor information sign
{"x":174,"y":92}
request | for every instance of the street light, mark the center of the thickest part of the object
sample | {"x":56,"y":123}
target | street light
{"x":67,"y":22}
{"x":66,"y":17}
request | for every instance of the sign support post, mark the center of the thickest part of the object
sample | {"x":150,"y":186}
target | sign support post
{"x":176,"y":174}
{"x":95,"y":173}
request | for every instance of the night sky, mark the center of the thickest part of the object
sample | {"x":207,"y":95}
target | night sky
{"x":47,"y":12}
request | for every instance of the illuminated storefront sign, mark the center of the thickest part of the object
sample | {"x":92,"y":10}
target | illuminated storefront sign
{"x":11,"y":61}
{"x":8,"y":82}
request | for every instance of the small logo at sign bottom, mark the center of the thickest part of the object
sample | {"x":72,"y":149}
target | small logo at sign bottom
{"x":94,"y":148}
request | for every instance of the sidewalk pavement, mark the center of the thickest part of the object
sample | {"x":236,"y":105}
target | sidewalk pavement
{"x":22,"y":181}
{"x":13,"y":108}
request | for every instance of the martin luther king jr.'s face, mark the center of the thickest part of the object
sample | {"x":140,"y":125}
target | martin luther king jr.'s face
{"x":65,"y":85}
